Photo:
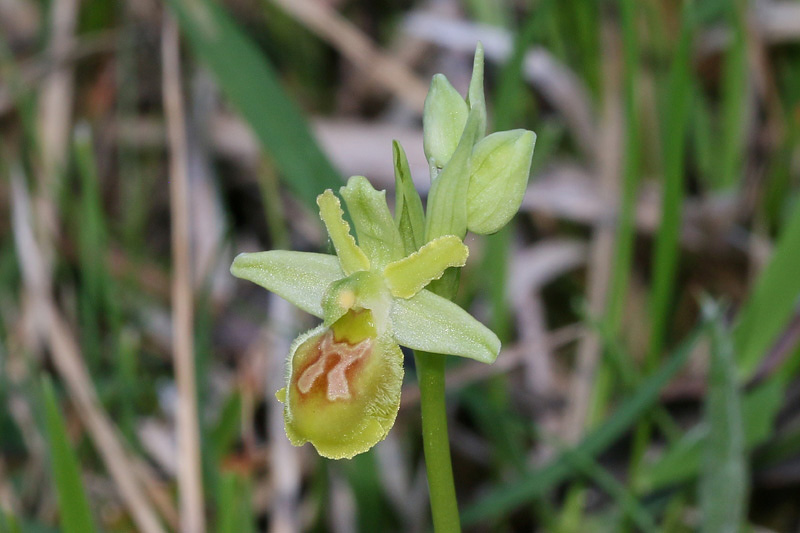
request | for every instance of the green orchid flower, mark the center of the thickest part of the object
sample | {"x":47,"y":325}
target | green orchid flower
{"x":387,"y":288}
{"x":344,"y":377}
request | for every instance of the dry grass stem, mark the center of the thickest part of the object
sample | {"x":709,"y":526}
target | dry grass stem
{"x":190,"y":479}
{"x":55,"y":107}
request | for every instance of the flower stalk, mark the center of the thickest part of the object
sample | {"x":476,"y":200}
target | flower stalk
{"x":436,"y":443}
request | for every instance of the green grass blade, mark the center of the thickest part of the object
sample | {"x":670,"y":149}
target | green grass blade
{"x":723,"y":479}
{"x":508,"y":104}
{"x":665,"y":259}
{"x":75,"y":516}
{"x":681,"y":462}
{"x":765,"y":314}
{"x":624,"y":498}
{"x":504,"y":498}
{"x":92,"y":249}
{"x":772,"y":302}
{"x":234,"y":512}
{"x":734,"y":93}
{"x":228,"y":425}
{"x":373,"y":511}
{"x":252,"y":86}
{"x":8,"y":524}
{"x":665,"y":255}
{"x":626,"y":231}
{"x":489,"y":12}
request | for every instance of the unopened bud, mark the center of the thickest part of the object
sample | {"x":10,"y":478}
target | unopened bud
{"x":499,"y":169}
{"x":443,"y":121}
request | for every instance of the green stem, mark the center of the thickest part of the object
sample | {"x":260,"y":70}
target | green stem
{"x":444,"y":507}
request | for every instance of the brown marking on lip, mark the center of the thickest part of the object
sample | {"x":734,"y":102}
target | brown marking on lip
{"x":332,"y":369}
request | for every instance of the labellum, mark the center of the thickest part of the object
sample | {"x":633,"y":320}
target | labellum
{"x":343,"y":387}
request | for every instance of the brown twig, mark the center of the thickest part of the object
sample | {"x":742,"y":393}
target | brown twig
{"x":190,"y":480}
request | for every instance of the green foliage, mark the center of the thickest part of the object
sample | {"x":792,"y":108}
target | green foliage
{"x":772,"y":302}
{"x":75,"y":516}
{"x":505,"y":498}
{"x":8,"y":524}
{"x":723,"y":480}
{"x":665,"y":257}
{"x":235,"y":511}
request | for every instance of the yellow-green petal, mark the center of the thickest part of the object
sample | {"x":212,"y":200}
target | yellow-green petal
{"x":351,"y":257}
{"x":409,"y":275}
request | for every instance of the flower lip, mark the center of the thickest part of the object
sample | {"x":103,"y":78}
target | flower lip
{"x":333,"y":368}
{"x":343,"y":389}
{"x":334,"y":362}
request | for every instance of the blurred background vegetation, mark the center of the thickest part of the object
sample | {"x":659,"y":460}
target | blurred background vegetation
{"x":647,"y":294}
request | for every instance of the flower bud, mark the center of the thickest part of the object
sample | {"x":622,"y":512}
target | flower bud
{"x":343,"y":388}
{"x":443,"y":121}
{"x":499,"y":169}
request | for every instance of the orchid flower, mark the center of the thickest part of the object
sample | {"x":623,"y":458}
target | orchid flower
{"x":344,"y":377}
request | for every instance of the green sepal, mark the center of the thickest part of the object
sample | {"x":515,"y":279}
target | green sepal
{"x":447,"y":199}
{"x":443,"y":119}
{"x":340,"y":428}
{"x":475,"y":96}
{"x":300,"y":277}
{"x":409,"y":215}
{"x":409,"y":275}
{"x":499,"y":170}
{"x":433,"y":324}
{"x":377,"y":234}
{"x":351,"y":257}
